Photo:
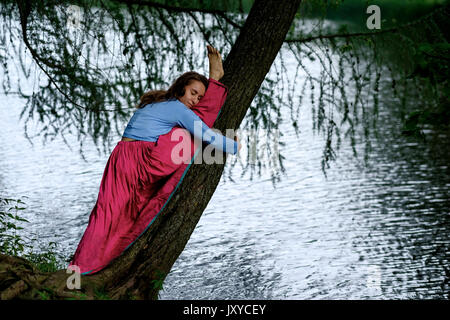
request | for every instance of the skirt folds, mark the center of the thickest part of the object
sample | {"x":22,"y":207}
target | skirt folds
{"x":137,"y":182}
{"x":115,"y":221}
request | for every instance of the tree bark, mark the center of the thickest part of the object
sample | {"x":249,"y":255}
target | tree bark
{"x":150,"y":258}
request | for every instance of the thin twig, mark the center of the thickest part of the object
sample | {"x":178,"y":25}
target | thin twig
{"x":370,"y":33}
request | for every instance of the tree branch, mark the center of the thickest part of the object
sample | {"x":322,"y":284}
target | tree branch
{"x":170,"y":8}
{"x":227,"y":19}
{"x":202,"y":30}
{"x":340,"y":35}
{"x":223,"y":30}
{"x":167,"y":7}
{"x":370,"y":33}
{"x":24,"y":11}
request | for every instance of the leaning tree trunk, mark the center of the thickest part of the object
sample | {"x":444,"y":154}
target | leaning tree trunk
{"x":151,"y":257}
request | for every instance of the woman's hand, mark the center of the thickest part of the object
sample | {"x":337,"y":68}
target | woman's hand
{"x":239,"y":144}
{"x":215,"y":63}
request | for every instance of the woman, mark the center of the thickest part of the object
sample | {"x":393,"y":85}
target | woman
{"x":141,"y":174}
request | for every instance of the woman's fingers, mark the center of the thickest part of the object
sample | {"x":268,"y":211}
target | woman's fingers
{"x":212,"y":50}
{"x":236,"y":138}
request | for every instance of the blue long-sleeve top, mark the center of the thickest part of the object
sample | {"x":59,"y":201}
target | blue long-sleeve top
{"x":158,"y":118}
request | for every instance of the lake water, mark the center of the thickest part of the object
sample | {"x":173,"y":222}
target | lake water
{"x":376,"y":232}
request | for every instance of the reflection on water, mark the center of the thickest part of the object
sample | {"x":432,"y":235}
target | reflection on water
{"x":379,"y":233}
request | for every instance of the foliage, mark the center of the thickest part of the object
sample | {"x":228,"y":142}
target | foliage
{"x":10,"y":242}
{"x":158,"y":281}
{"x":399,"y":67}
{"x":100,"y":294}
{"x":45,"y":257}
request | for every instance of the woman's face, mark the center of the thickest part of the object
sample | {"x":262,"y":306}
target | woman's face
{"x":193,"y":92}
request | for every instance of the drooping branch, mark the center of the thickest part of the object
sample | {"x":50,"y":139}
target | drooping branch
{"x":189,"y":10}
{"x":25,"y":10}
{"x":85,"y":88}
{"x":202,"y":30}
{"x":369,"y":33}
{"x":367,"y":63}
{"x":341,"y":35}
{"x":171,"y":8}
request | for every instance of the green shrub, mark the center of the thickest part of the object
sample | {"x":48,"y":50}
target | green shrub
{"x":44,"y":256}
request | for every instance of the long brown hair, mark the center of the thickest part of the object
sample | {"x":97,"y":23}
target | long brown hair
{"x":176,"y":90}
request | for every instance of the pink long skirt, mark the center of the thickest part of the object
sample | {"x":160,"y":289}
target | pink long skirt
{"x":138,"y":180}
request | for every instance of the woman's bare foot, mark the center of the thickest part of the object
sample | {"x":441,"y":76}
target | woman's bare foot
{"x":215,"y":63}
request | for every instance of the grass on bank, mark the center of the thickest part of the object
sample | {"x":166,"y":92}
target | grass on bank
{"x":15,"y":242}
